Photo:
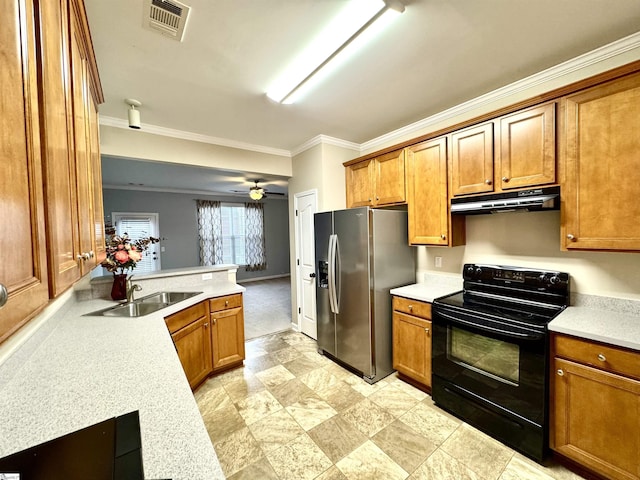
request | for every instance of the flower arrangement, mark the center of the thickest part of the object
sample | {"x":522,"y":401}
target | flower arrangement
{"x":123,"y":253}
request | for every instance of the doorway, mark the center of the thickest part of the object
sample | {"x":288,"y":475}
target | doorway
{"x":139,"y":225}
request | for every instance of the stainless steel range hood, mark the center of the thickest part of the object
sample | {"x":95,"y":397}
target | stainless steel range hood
{"x":532,"y":200}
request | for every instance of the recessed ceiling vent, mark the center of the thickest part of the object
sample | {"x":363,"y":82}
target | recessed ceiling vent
{"x":167,"y":17}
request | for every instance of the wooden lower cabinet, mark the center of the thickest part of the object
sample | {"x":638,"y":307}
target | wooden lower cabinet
{"x":412,"y":341}
{"x":193,"y":344}
{"x":227,"y":333}
{"x":209,"y":337}
{"x":595,"y":413}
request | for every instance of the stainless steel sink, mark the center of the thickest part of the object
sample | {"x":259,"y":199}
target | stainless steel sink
{"x":167,"y":297}
{"x":133,"y":309}
{"x":146,"y":305}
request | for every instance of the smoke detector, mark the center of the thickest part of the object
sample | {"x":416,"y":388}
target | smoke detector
{"x":167,"y":17}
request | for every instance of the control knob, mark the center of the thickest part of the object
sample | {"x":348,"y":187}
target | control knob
{"x":470,"y":270}
{"x":554,"y":280}
{"x":478,"y":271}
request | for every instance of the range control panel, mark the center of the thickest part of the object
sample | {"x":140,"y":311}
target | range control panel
{"x":503,"y":275}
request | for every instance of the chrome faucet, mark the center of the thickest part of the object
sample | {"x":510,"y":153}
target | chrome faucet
{"x":131,"y":288}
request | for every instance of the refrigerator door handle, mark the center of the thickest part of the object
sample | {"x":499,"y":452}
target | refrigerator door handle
{"x":337,"y":275}
{"x":332,"y":272}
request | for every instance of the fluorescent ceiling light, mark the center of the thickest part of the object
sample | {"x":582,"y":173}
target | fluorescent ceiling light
{"x":353,"y":27}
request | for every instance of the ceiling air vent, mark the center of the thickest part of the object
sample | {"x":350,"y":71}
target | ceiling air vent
{"x":167,"y":17}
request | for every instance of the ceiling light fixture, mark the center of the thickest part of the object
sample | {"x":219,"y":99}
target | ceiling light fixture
{"x":256,"y":193}
{"x":358,"y":23}
{"x":134,"y":115}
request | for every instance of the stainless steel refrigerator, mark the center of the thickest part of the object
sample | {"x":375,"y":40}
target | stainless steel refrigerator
{"x":361,"y":253}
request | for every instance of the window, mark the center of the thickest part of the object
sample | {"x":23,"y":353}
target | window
{"x":233,"y":233}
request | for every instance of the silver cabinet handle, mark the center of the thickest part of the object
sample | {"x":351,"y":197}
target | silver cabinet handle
{"x":560,"y":372}
{"x":570,"y":236}
{"x":487,"y":181}
{"x":602,"y":358}
{"x":4,"y":295}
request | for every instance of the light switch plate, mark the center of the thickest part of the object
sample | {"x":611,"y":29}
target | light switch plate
{"x":207,"y":276}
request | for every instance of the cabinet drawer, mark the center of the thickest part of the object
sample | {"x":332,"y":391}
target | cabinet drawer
{"x":412,"y":307}
{"x":605,"y":357}
{"x":228,"y":301}
{"x":183,"y":318}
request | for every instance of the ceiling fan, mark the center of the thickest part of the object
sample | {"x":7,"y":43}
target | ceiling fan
{"x":257,"y":193}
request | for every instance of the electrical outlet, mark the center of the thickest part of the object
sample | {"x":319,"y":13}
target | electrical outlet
{"x":162,"y":249}
{"x":207,"y":276}
{"x":438,"y":262}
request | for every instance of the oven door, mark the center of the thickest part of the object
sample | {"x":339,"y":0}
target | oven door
{"x":499,"y":363}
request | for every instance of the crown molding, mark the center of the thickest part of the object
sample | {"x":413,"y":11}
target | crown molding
{"x":211,"y":193}
{"x":601,"y":54}
{"x":195,"y":137}
{"x":326,"y":140}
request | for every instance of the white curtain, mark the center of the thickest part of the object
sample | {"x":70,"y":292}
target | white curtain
{"x":254,"y":243}
{"x":210,"y":232}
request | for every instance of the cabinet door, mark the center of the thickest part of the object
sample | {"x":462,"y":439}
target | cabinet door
{"x":596,"y":419}
{"x":97,"y":209}
{"x":428,"y":203}
{"x":228,"y":337}
{"x":602,"y":167}
{"x":59,"y":162}
{"x":528,"y":148}
{"x":412,"y":347}
{"x":472,"y":160}
{"x":359,"y":183}
{"x":389,"y":181}
{"x":81,"y":137}
{"x":193,"y":344}
{"x":23,"y":265}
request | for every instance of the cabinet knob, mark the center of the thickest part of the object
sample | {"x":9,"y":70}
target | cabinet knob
{"x":411,"y":308}
{"x":369,"y":200}
{"x":487,"y":181}
{"x":560,"y":372}
{"x":206,"y":325}
{"x":226,"y":303}
{"x":505,"y":179}
{"x":4,"y":296}
{"x":214,"y":321}
{"x":602,"y":358}
{"x":443,"y":236}
{"x":426,"y":330}
{"x":91,"y":254}
{"x":570,"y":236}
{"x":377,"y":198}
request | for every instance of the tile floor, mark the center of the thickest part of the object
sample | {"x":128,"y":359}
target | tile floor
{"x":291,"y":413}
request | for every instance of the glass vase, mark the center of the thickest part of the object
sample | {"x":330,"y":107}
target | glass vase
{"x":119,"y":287}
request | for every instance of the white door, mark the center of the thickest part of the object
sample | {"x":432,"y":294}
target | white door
{"x":306,"y":204}
{"x":139,"y":225}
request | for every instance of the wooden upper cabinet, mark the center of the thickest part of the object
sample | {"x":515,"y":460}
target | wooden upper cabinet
{"x":601,"y":160}
{"x":70,"y":143}
{"x":428,"y":202}
{"x":360,"y":184}
{"x":390,"y":178}
{"x":528,"y":148}
{"x":472,"y":160}
{"x":377,"y":181}
{"x":23,"y":265}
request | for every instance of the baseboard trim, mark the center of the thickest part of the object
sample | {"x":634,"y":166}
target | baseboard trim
{"x":256,"y":279}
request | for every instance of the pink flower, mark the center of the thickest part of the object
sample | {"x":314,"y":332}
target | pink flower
{"x":122,"y":256}
{"x":121,"y":247}
{"x":135,"y":256}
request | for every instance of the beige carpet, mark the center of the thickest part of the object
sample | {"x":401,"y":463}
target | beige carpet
{"x":267,"y":307}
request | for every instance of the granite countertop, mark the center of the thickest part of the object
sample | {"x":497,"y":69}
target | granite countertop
{"x":608,"y":325}
{"x":433,"y":287}
{"x":86,"y":369}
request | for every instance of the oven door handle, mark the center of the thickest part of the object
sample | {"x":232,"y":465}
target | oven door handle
{"x":506,"y":333}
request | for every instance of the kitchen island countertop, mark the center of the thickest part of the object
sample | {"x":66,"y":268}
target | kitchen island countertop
{"x":86,"y":369}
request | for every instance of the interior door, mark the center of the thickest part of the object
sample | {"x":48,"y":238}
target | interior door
{"x":306,"y":206}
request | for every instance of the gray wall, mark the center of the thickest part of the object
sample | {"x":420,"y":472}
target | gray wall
{"x":179,"y":226}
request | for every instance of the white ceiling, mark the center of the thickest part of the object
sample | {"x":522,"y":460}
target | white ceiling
{"x":437,"y":54}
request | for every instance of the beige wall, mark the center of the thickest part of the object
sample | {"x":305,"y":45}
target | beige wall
{"x":532,"y":239}
{"x":121,"y":142}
